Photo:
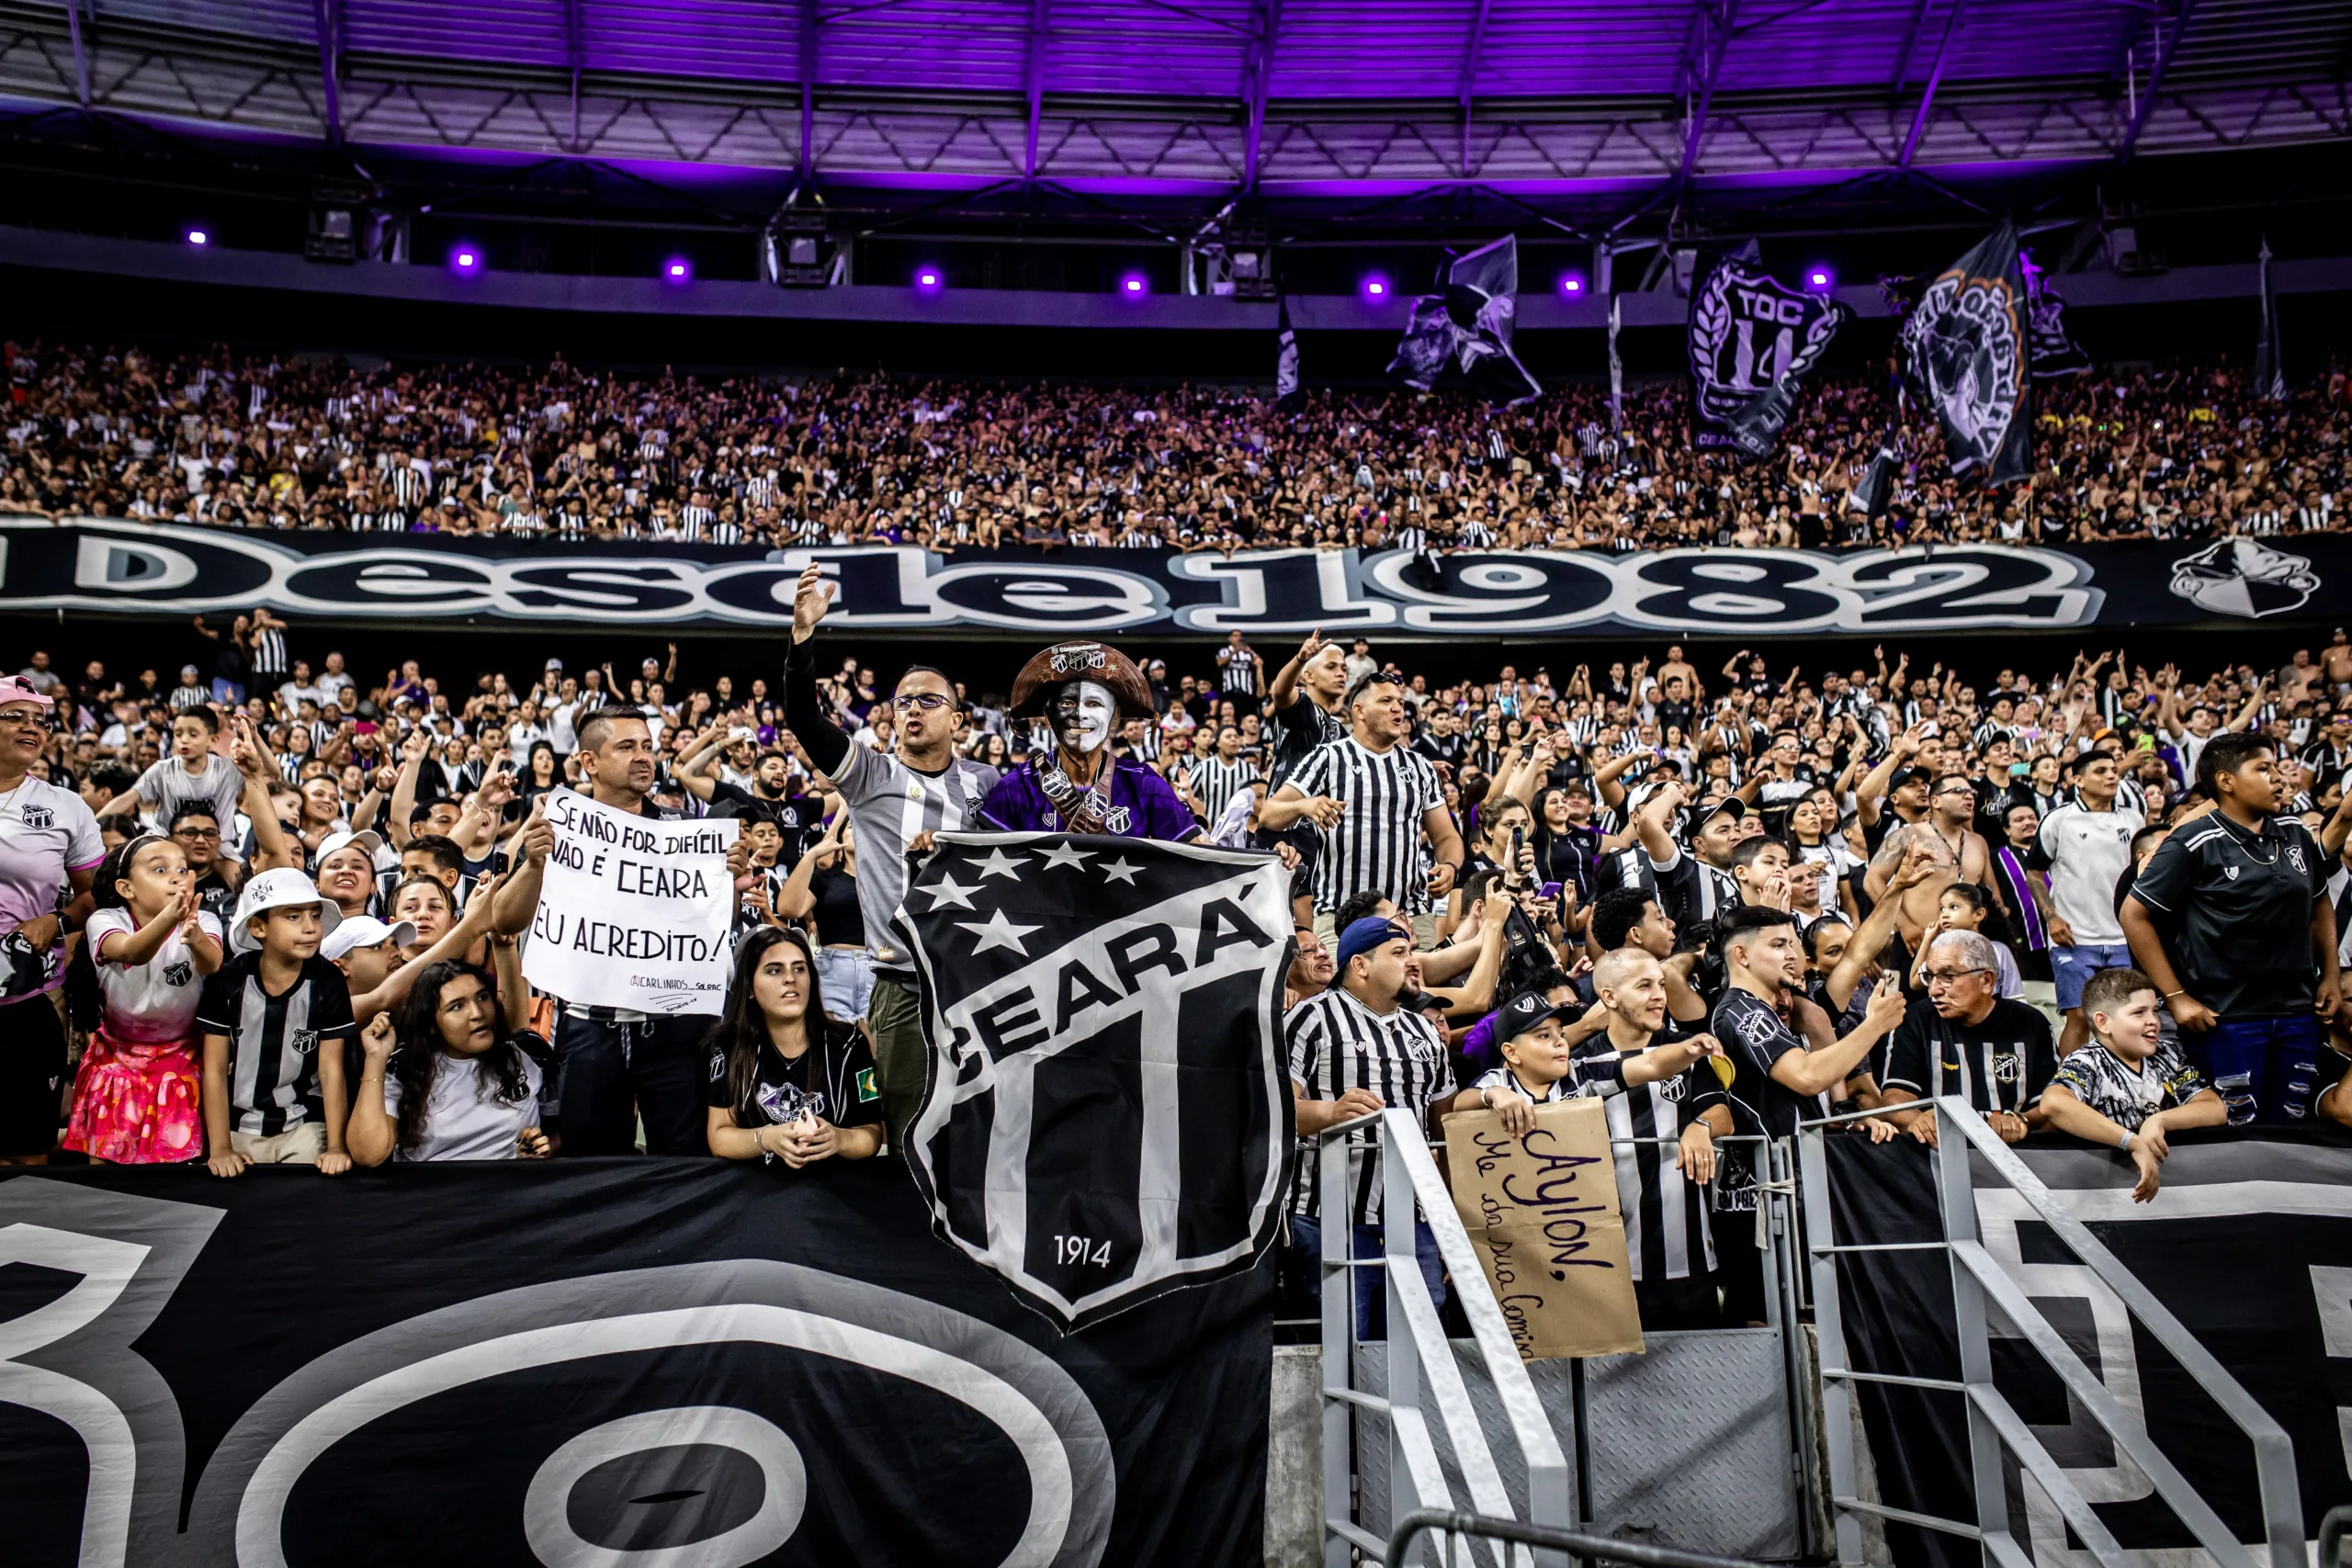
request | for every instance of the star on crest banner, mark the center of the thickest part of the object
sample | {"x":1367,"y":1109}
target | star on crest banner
{"x":1107,"y":1114}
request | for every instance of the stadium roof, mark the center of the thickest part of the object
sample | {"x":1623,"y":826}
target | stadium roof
{"x":1300,"y":97}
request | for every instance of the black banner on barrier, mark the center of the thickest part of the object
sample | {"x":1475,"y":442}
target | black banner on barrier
{"x":129,"y":568}
{"x":2248,"y":1244}
{"x":630,"y":1361}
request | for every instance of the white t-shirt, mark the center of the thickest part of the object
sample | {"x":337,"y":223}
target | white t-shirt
{"x":168,"y":785}
{"x":151,"y":1003}
{"x":2088,"y":852}
{"x":463,"y":1117}
{"x":45,"y":832}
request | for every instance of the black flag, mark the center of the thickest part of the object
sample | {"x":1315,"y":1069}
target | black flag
{"x":1108,"y":1111}
{"x":2269,"y":375}
{"x":1750,"y":339}
{"x":1463,"y":337}
{"x":1876,"y":488}
{"x":1286,"y":392}
{"x":1965,"y":356}
{"x":2055,"y":352}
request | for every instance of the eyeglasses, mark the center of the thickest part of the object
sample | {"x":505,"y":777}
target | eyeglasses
{"x":929,"y":701}
{"x":1946,"y":976}
{"x":196,"y":832}
{"x":30,"y":720}
{"x":1961,"y":789}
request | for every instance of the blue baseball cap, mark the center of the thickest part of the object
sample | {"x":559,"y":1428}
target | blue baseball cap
{"x":1366,"y":934}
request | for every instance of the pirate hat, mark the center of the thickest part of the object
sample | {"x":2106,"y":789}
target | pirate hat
{"x":1068,"y":661}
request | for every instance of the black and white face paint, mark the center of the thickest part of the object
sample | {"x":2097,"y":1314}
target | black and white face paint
{"x":1083,"y":714}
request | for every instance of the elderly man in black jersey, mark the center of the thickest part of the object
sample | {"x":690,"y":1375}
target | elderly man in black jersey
{"x":1964,"y":1038}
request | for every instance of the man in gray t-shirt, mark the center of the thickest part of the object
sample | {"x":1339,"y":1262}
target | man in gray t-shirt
{"x":193,"y":774}
{"x":893,"y":799}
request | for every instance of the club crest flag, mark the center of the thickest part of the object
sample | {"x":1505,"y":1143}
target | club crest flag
{"x":1107,"y":1116}
{"x":1966,"y":355}
{"x":1750,"y":340}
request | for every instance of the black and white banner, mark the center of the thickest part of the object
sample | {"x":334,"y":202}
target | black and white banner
{"x":1966,"y":354}
{"x":2248,"y":1245}
{"x":668,"y":1363}
{"x":1463,"y":337}
{"x":2054,"y":352}
{"x":1750,"y":341}
{"x":1108,"y":1111}
{"x":112,"y":567}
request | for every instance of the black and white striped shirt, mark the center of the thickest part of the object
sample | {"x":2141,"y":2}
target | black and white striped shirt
{"x":1666,"y":1216}
{"x":1377,"y":844}
{"x":268,"y":655}
{"x":1215,"y":781}
{"x":274,"y":1042}
{"x":1238,"y":671}
{"x":1337,"y":1043}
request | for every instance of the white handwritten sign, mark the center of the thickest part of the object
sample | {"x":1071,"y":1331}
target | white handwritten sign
{"x":1543,"y":1212}
{"x":634,"y":913}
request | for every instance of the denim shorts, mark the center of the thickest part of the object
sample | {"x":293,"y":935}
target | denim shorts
{"x":2072,"y":968}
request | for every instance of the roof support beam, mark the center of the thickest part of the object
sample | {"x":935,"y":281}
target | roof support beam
{"x":1034,"y":84}
{"x":1257,"y":72}
{"x":1910,"y":46}
{"x":1934,"y":80}
{"x":1713,"y":22}
{"x":1469,"y":76}
{"x":81,"y":53}
{"x":805,"y":40}
{"x":2165,"y":52}
{"x":571,"y":57}
{"x":329,"y":16}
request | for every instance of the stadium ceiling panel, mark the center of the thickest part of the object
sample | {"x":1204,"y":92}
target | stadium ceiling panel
{"x":1313,"y":97}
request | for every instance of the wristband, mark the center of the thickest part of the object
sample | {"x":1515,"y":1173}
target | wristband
{"x":2125,"y":1142}
{"x":2182,"y":992}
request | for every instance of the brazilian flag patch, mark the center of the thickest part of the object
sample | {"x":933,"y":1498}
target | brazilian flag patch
{"x":865,"y":1088}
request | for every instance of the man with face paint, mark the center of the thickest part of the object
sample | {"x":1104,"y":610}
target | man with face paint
{"x":1072,"y":782}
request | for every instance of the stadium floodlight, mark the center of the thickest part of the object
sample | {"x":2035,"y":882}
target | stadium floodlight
{"x":1375,"y":287}
{"x":677,"y":269}
{"x":1819,"y":279}
{"x":929,"y":280}
{"x":1572,"y":285}
{"x":199,"y":237}
{"x":1132,"y":286}
{"x":465,"y":259}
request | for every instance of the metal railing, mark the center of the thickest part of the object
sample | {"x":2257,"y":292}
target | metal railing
{"x":1417,"y":1350}
{"x":1581,"y":1545}
{"x":1982,"y":1291}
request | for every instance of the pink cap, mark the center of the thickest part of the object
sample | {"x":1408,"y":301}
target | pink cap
{"x":16,"y":689}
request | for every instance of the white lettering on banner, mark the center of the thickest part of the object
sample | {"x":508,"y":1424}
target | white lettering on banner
{"x":111,"y":566}
{"x":656,"y":895}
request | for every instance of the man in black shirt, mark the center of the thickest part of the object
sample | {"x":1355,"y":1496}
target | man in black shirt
{"x":1303,"y":712}
{"x":1779,"y":1079}
{"x":1964,"y":1038}
{"x":2246,"y":958}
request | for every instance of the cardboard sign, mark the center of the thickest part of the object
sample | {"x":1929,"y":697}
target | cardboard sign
{"x":634,"y":913}
{"x":1543,"y":1212}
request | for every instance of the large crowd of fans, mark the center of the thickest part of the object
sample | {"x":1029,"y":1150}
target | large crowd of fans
{"x":273,"y":915}
{"x":241,"y":441}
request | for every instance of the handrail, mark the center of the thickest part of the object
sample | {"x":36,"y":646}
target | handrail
{"x":1583,"y":1543}
{"x":1978,"y":1279}
{"x":2274,"y":1454}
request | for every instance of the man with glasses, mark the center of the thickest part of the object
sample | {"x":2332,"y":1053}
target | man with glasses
{"x":893,"y":800}
{"x":1964,"y":1038}
{"x":197,"y":833}
{"x":1956,"y":850}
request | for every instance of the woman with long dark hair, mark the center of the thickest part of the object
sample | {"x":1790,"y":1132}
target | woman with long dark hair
{"x":456,"y":1079}
{"x":786,"y":1082}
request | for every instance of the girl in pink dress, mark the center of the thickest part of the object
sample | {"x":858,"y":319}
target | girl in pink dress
{"x":147,"y":948}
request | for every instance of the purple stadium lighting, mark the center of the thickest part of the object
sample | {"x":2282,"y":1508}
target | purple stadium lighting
{"x":929,"y":280}
{"x":465,"y":259}
{"x":1132,"y":286}
{"x":199,"y":237}
{"x":677,"y":269}
{"x":1571,"y":285}
{"x":1819,"y":279}
{"x":1375,"y":287}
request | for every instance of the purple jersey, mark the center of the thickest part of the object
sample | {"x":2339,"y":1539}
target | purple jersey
{"x":1142,"y":805}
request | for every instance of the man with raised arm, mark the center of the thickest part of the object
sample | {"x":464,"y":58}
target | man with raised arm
{"x":893,"y":801}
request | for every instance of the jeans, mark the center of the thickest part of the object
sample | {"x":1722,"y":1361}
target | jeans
{"x":2072,"y":968}
{"x":1371,"y":1296}
{"x":2265,"y":1068}
{"x":608,"y":1076}
{"x":845,"y":978}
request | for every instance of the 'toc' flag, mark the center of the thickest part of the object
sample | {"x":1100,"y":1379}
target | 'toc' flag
{"x":1966,"y":356}
{"x":1107,"y":1116}
{"x":1750,"y":339}
{"x":1463,"y":337}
